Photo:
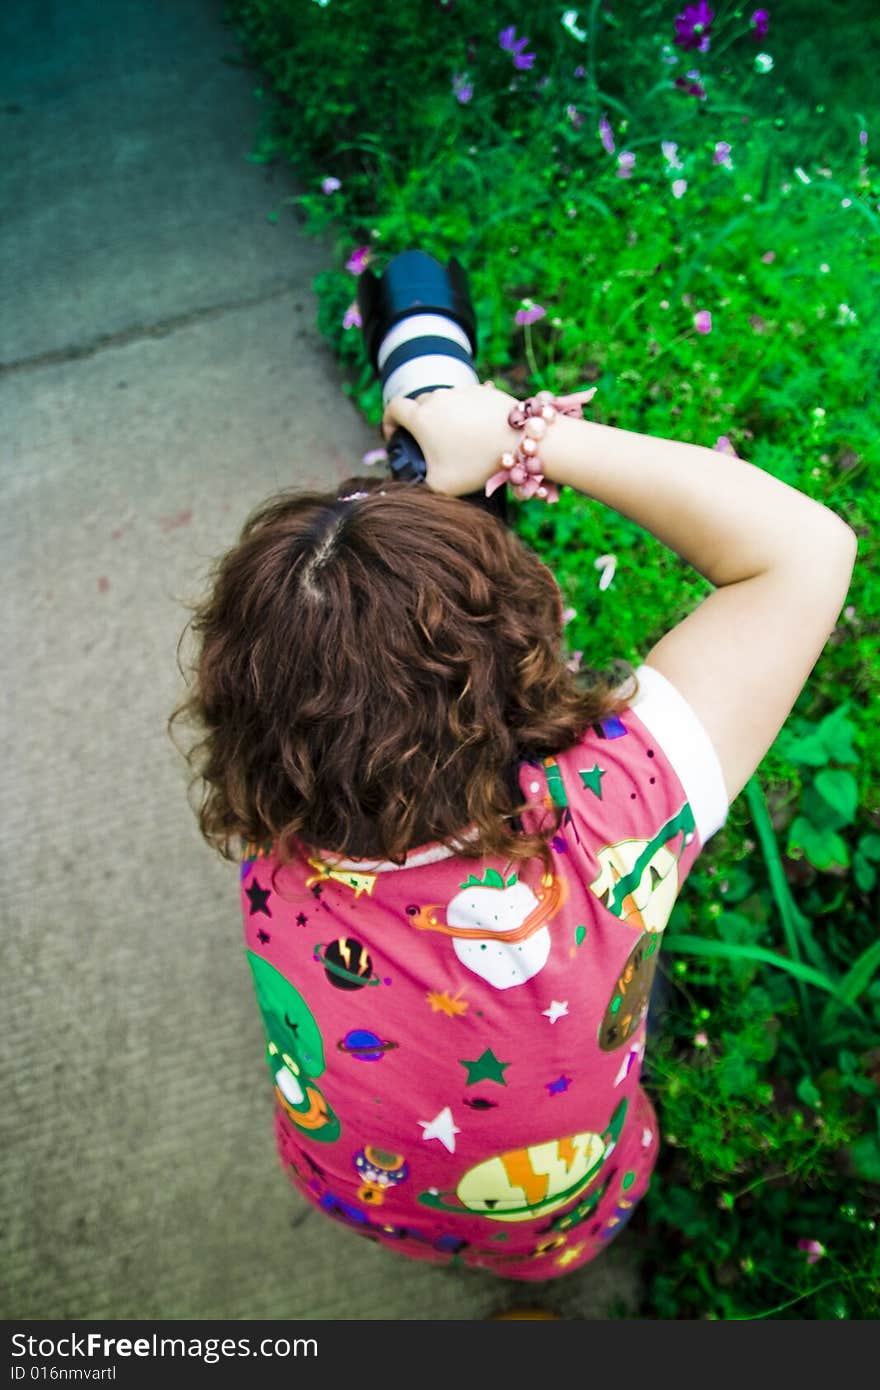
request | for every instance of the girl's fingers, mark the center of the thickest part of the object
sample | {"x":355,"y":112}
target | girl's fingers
{"x":398,"y":411}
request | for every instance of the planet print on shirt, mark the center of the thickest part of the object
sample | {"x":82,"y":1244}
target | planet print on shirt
{"x":628,"y":1004}
{"x":638,"y":879}
{"x":527,"y":1183}
{"x":364,"y":1045}
{"x":295,"y":1051}
{"x":346,"y":963}
{"x":499,"y":929}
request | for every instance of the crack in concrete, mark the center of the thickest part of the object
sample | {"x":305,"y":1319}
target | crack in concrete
{"x":141,"y":332}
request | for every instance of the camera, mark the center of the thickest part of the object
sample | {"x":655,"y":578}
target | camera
{"x":420,"y":333}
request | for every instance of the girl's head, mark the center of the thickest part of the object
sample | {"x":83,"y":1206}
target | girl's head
{"x":370,"y":673}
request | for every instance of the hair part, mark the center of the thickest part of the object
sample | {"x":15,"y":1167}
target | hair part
{"x":370,"y":673}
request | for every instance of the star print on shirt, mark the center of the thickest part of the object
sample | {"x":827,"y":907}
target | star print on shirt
{"x":556,"y":1010}
{"x":561,"y":1083}
{"x":592,"y":779}
{"x":441,"y":1003}
{"x":263,"y":937}
{"x":442,"y":1127}
{"x":485,"y":1068}
{"x":258,"y":897}
{"x":301,"y":919}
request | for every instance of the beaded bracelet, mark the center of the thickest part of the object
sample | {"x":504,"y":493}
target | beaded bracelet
{"x":522,"y":468}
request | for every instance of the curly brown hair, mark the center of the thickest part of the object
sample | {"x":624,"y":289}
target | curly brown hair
{"x":370,"y":674}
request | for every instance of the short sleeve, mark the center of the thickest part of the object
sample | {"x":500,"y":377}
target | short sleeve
{"x":637,"y":797}
{"x":641,"y":791}
{"x":676,"y":728}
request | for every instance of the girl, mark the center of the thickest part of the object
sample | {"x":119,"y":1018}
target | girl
{"x":457,"y":856}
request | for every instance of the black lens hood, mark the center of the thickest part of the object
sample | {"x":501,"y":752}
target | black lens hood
{"x":413,"y":283}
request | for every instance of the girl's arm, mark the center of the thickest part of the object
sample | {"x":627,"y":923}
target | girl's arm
{"x":781,"y":564}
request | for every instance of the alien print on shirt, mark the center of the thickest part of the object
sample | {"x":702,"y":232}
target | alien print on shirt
{"x":295,"y":1052}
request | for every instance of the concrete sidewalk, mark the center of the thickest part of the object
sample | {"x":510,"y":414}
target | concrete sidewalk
{"x":161,"y":375}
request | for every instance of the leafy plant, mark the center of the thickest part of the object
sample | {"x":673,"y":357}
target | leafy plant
{"x":691,"y":219}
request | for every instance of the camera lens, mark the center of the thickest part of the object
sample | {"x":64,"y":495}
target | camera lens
{"x":420,"y":333}
{"x":419,"y":326}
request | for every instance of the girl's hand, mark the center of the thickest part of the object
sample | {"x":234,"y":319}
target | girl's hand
{"x":462,"y":432}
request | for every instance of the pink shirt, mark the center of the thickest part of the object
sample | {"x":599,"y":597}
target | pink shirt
{"x":456,"y":1045}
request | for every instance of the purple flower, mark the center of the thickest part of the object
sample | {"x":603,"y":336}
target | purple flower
{"x":815,"y":1250}
{"x":530,"y":313}
{"x":722,"y":154}
{"x":759,"y":20}
{"x":625,"y":161}
{"x":703,"y":321}
{"x":694,"y":88}
{"x":606,"y":136}
{"x":330,"y":185}
{"x":352,"y":316}
{"x":358,"y":260}
{"x":508,"y":41}
{"x":670,"y":153}
{"x":461,"y":86}
{"x":574,"y":116}
{"x":679,"y":188}
{"x":724,"y":446}
{"x":692,"y":27}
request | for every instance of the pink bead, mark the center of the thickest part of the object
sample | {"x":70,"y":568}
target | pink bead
{"x":529,"y":446}
{"x":534,"y":465}
{"x":542,"y":492}
{"x":518,"y":475}
{"x":548,"y":414}
{"x":544,"y":397}
{"x":536,"y":428}
{"x":507,"y":460}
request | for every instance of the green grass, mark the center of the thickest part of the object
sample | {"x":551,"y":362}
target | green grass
{"x":772,"y":1126}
